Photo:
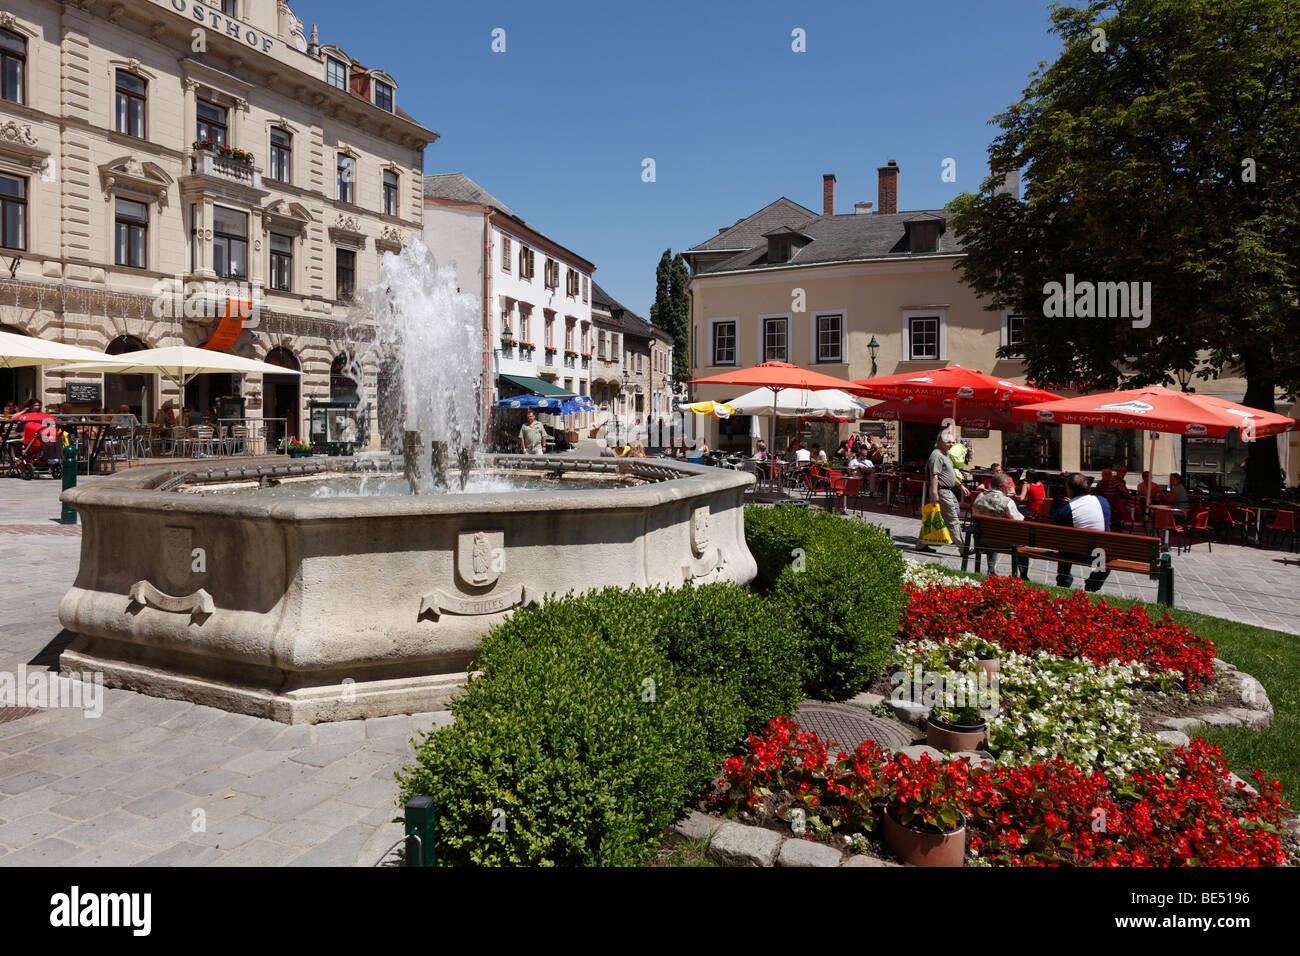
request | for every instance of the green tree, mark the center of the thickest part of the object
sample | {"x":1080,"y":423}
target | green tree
{"x":672,"y":310}
{"x":1161,"y":147}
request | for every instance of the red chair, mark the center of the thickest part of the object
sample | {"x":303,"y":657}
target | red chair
{"x":841,"y":487}
{"x":1041,"y":510}
{"x":1167,"y":521}
{"x":1198,"y":523}
{"x":1283,"y":521}
{"x":1225,"y":520}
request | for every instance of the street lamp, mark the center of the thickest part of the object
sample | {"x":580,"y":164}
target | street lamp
{"x":623,"y":400}
{"x":1184,"y":377}
{"x":873,"y":347}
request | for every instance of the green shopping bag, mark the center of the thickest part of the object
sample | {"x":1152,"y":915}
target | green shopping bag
{"x":933,"y":528}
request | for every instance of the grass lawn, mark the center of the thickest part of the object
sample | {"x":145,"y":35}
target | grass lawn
{"x":1272,"y":658}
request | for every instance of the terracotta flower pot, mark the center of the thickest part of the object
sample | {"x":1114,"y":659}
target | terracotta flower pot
{"x":955,"y":737}
{"x":924,"y":847}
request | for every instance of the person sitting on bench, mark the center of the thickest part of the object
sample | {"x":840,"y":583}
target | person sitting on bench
{"x":1086,"y":511}
{"x":998,"y":503}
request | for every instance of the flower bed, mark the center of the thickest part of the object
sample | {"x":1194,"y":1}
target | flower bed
{"x":1028,"y":620}
{"x":1049,"y":813}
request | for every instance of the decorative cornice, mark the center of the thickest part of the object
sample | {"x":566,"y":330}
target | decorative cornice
{"x":347,"y":230}
{"x":390,"y":238}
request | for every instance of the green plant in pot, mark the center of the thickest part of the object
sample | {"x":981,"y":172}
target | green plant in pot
{"x":957,"y":723}
{"x":988,"y":656}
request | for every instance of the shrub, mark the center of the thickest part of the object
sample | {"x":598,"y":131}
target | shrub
{"x":594,"y":720}
{"x":844,"y":598}
{"x":773,"y":535}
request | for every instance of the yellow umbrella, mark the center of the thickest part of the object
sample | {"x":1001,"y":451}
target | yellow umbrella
{"x":716,"y":409}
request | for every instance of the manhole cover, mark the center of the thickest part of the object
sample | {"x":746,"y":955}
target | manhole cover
{"x":849,"y":726}
{"x":8,"y":714}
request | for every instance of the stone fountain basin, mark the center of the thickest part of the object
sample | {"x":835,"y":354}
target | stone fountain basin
{"x":306,"y":610}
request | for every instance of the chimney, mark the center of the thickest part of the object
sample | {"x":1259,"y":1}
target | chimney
{"x":828,"y":194}
{"x":888,"y":189}
{"x":1010,"y":184}
{"x":862,"y":208}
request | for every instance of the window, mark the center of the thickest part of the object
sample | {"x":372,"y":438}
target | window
{"x":601,"y":351}
{"x":281,"y":262}
{"x":523,"y":325}
{"x":336,"y":73}
{"x":13,"y":212}
{"x":228,"y":7}
{"x":132,"y":231}
{"x":211,"y":123}
{"x":347,"y":177}
{"x":390,"y":192}
{"x":229,"y":243}
{"x":525,"y":262}
{"x":383,"y":96}
{"x":1014,"y":335}
{"x":505,"y":253}
{"x":345,"y":273}
{"x":281,"y":155}
{"x":130,"y":104}
{"x":13,"y":65}
{"x":551,"y":275}
{"x":568,"y":336}
{"x":830,"y":338}
{"x":774,"y":340}
{"x":724,"y":343}
{"x":585,"y":288}
{"x":923,"y":334}
{"x":571,"y":283}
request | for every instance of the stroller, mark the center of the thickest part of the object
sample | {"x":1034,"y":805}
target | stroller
{"x":42,"y":453}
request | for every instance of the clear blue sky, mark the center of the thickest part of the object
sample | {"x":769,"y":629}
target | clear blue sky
{"x":558,"y":125}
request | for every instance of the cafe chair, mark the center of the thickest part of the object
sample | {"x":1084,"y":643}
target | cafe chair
{"x":1283,"y":523}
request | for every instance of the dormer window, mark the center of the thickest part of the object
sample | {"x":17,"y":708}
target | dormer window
{"x":383,"y":96}
{"x":336,"y":73}
{"x":923,"y":235}
{"x":778,"y":250}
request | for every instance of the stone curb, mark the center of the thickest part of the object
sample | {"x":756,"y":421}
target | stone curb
{"x":742,"y":844}
{"x":1258,"y":712}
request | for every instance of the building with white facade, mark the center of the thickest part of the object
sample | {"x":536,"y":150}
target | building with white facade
{"x":536,"y":294}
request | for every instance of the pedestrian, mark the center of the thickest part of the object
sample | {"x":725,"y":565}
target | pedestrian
{"x":997,"y":502}
{"x":1089,"y":512}
{"x":532,"y":435}
{"x":943,"y":488}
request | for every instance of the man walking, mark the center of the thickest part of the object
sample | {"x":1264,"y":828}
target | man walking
{"x":942,"y":487}
{"x":532,"y":436}
{"x":998,"y":502}
{"x":1082,"y":510}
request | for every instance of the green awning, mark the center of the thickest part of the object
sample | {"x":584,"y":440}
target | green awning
{"x":538,"y":386}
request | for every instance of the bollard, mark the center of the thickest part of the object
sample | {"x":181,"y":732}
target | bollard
{"x":419,"y":831}
{"x":69,"y":481}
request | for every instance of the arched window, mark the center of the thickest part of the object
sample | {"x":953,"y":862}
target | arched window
{"x":343,"y":387}
{"x":136,"y":392}
{"x":282,"y":357}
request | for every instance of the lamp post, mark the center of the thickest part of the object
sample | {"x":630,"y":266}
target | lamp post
{"x":1184,"y":379}
{"x":623,"y":400}
{"x":873,"y":347}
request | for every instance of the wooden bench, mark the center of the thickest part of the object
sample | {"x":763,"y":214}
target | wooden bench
{"x":1053,"y":542}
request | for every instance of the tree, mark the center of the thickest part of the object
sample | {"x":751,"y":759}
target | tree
{"x":672,"y":310}
{"x":1160,"y":147}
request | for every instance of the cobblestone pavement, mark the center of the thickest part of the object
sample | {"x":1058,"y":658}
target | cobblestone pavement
{"x":133,"y":785}
{"x":164,"y":782}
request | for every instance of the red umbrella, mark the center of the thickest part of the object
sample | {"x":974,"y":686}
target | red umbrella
{"x":1159,"y":409}
{"x":966,"y":385}
{"x":776,"y":376}
{"x":935,"y":411}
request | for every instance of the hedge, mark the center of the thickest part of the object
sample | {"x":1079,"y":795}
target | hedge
{"x":596,"y":719}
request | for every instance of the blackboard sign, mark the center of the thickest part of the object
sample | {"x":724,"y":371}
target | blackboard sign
{"x":879,"y":429}
{"x":974,"y":432}
{"x":85,"y":393}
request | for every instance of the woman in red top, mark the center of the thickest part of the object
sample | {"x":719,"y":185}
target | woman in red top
{"x":1031,"y":492}
{"x":35,"y":420}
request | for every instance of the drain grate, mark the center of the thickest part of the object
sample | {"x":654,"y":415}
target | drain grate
{"x":849,"y":726}
{"x":8,"y":714}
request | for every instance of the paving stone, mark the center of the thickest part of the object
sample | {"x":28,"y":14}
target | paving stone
{"x":20,"y":763}
{"x":254,"y":762}
{"x":22,"y":782}
{"x":797,"y":852}
{"x":86,"y":806}
{"x":322,"y":755}
{"x":228,"y":726}
{"x":258,"y":853}
{"x":113,"y":853}
{"x":211,"y":782}
{"x":293,"y":737}
{"x":138,"y":784}
{"x":184,"y":854}
{"x":340,"y":731}
{"x":378,"y":728}
{"x":382,"y":815}
{"x":384,"y":847}
{"x":744,"y":846}
{"x":292,"y":802}
{"x":164,"y":831}
{"x":228,"y":834}
{"x":273,"y":781}
{"x":372,"y":793}
{"x":31,"y":828}
{"x":99,"y":830}
{"x":49,"y":852}
{"x":227,"y":806}
{"x":259,"y":736}
{"x":64,"y":747}
{"x":427,"y":721}
{"x":355,"y":768}
{"x":194,"y":718}
{"x":33,"y":801}
{"x":333,"y":813}
{"x":341,"y":849}
{"x":1175,"y":737}
{"x":159,"y":802}
{"x":302,"y":834}
{"x":201,"y":758}
{"x":33,"y":738}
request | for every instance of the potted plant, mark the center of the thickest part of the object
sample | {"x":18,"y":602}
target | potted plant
{"x":295,"y":449}
{"x":988,"y":656}
{"x":527,"y":347}
{"x":955,"y":729}
{"x":923,"y":819}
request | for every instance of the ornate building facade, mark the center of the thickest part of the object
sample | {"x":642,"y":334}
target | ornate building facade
{"x":159,"y":158}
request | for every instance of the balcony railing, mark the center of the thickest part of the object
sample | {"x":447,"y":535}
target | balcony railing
{"x":207,"y":163}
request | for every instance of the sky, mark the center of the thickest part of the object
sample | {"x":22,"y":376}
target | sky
{"x":559,"y":124}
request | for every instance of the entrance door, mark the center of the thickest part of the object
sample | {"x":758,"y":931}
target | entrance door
{"x":138,"y":392}
{"x":282,"y":400}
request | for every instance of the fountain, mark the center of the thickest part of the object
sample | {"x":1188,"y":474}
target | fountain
{"x":331,"y":589}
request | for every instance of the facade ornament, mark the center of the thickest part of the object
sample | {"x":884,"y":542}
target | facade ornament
{"x":347,"y":223}
{"x":191,"y":84}
{"x":115,"y":12}
{"x":133,"y":167}
{"x":157,"y":30}
{"x":14,"y":133}
{"x":133,"y":65}
{"x":241,"y":103}
{"x":7,"y":20}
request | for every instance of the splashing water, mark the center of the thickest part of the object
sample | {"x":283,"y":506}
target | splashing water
{"x":429,"y":337}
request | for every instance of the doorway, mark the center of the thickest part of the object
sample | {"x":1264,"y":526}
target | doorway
{"x":281,"y":400}
{"x":17,"y":385}
{"x":137,"y":392}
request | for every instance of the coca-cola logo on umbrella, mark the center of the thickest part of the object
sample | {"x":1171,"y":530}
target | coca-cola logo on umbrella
{"x":1046,"y":416}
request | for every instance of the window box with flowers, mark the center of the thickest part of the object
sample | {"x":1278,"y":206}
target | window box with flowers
{"x":231,"y":153}
{"x":507,"y":341}
{"x":526,"y":348}
{"x":570,"y":354}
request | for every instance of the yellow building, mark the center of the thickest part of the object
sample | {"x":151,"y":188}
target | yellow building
{"x":158,"y":155}
{"x":788,"y":284}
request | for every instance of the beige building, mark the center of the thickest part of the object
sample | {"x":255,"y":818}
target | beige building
{"x":149,"y":148}
{"x":789,"y":284}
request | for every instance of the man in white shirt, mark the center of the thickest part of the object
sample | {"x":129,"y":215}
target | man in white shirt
{"x":801,"y":454}
{"x":999,"y":502}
